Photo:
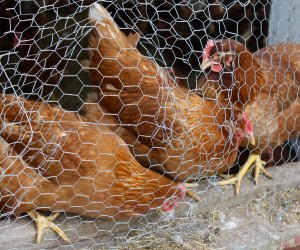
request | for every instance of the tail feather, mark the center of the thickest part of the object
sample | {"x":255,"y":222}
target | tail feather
{"x":107,"y":28}
{"x":104,"y":23}
{"x":116,"y":60}
{"x":134,"y":37}
{"x":93,"y":44}
{"x":97,"y":12}
{"x":111,"y":51}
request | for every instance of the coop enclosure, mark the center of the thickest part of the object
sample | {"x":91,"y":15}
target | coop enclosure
{"x":74,"y":132}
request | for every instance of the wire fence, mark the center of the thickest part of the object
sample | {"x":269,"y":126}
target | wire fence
{"x":136,"y":121}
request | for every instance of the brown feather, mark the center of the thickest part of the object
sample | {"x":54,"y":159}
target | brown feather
{"x":90,"y":166}
{"x":190,"y":136}
{"x":267,"y":84}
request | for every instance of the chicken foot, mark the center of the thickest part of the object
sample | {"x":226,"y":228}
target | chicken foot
{"x":45,"y":222}
{"x":237,"y":179}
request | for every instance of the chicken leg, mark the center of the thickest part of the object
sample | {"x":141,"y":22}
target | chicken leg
{"x":237,"y":179}
{"x":44,"y":222}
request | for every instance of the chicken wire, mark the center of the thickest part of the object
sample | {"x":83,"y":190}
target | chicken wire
{"x":44,"y":58}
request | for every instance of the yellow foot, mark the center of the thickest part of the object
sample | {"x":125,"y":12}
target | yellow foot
{"x":190,"y":192}
{"x":225,"y":176}
{"x":44,"y":222}
{"x":237,"y":179}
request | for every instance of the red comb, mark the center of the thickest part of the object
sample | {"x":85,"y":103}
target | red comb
{"x":210,"y":43}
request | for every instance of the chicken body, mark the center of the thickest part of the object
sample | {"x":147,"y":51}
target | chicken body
{"x":275,"y":110}
{"x":96,"y":113}
{"x":191,"y":137}
{"x":265,"y":83}
{"x":80,"y":167}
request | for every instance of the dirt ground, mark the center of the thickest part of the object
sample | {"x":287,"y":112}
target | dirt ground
{"x":267,"y":223}
{"x":263,"y":216}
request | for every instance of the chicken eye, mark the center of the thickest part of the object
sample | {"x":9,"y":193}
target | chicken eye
{"x":217,"y":57}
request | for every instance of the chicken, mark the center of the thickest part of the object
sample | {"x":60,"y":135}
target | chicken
{"x":89,"y":168}
{"x":190,"y":137}
{"x":265,"y":83}
{"x":21,"y":188}
{"x":98,"y":114}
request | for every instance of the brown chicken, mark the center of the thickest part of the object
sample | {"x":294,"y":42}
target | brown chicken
{"x":190,"y":137}
{"x":266,"y":84}
{"x":82,"y":168}
{"x":23,"y":189}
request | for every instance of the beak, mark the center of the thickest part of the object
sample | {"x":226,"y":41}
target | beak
{"x":252,"y":139}
{"x":206,"y":64}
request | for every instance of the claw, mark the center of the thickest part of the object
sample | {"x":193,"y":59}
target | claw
{"x":237,"y":179}
{"x":259,"y":167}
{"x":44,"y":222}
{"x":192,"y":195}
{"x":191,"y":185}
{"x":226,"y":176}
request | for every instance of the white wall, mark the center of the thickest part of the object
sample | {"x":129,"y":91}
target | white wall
{"x":284,"y":21}
{"x":285,"y":27}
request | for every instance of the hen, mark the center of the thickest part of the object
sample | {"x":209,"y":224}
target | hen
{"x":98,"y":114}
{"x":265,"y":83}
{"x":81,"y":167}
{"x":189,"y":136}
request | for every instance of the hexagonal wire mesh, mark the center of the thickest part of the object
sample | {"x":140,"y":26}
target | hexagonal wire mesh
{"x":110,"y":110}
